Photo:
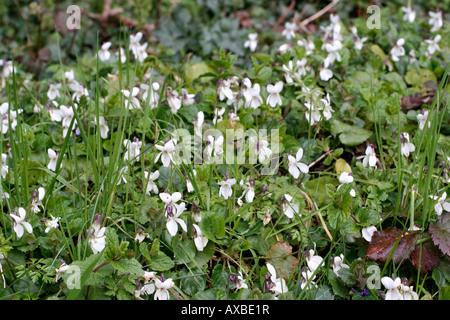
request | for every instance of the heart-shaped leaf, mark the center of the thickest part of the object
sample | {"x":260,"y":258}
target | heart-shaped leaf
{"x":280,"y":256}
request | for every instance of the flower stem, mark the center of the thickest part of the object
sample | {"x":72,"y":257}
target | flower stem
{"x":411,"y":210}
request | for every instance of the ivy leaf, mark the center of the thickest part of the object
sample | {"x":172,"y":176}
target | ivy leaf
{"x":440,"y":233}
{"x":385,"y":241}
{"x":280,"y":256}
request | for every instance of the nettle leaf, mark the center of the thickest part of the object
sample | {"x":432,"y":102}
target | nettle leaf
{"x":128,"y":265}
{"x":391,"y":239}
{"x":280,"y":256}
{"x":112,"y":244}
{"x":440,"y":233}
{"x":347,"y":276}
{"x":367,"y":216}
{"x":426,"y":257}
{"x":336,"y":216}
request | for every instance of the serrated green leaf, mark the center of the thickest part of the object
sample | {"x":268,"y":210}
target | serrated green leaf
{"x":112,"y":244}
{"x":347,"y":276}
{"x":129,"y":266}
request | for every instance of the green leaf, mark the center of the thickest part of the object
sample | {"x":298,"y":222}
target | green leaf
{"x":82,"y":272}
{"x":210,"y":294}
{"x":367,"y":217}
{"x":323,"y":293}
{"x":264,"y":74}
{"x":219,"y":277}
{"x":337,"y":284}
{"x":444,"y":293}
{"x":129,"y":266}
{"x":192,"y":282}
{"x":342,"y":166}
{"x":195,"y":70}
{"x":348,"y":134}
{"x":212,"y":226}
{"x":161,"y":262}
{"x":336,"y":217}
{"x":280,"y":256}
{"x":347,"y":276}
{"x":143,"y":248}
{"x":112,"y":244}
{"x":418,"y":78}
{"x":317,"y":188}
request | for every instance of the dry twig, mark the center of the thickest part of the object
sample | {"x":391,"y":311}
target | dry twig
{"x":318,"y":14}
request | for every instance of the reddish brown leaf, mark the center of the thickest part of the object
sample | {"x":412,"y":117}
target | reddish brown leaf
{"x":44,"y":54}
{"x":60,"y":21}
{"x":427,"y":257}
{"x":383,"y":242}
{"x":244,"y":19}
{"x":417,"y":100}
{"x":440,"y":232}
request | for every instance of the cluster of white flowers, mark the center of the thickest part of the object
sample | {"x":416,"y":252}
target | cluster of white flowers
{"x":275,"y":284}
{"x":396,"y":290}
{"x":4,"y":169}
{"x":160,"y":287}
{"x":151,"y":95}
{"x":9,"y":117}
{"x":19,"y":223}
{"x":247,"y":95}
{"x":435,"y":22}
{"x":397,"y":50}
{"x":332,"y":44}
{"x":138,"y":50}
{"x":296,"y":71}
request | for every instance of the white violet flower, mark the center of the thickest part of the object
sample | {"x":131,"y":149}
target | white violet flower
{"x":19,"y":223}
{"x":295,"y":166}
